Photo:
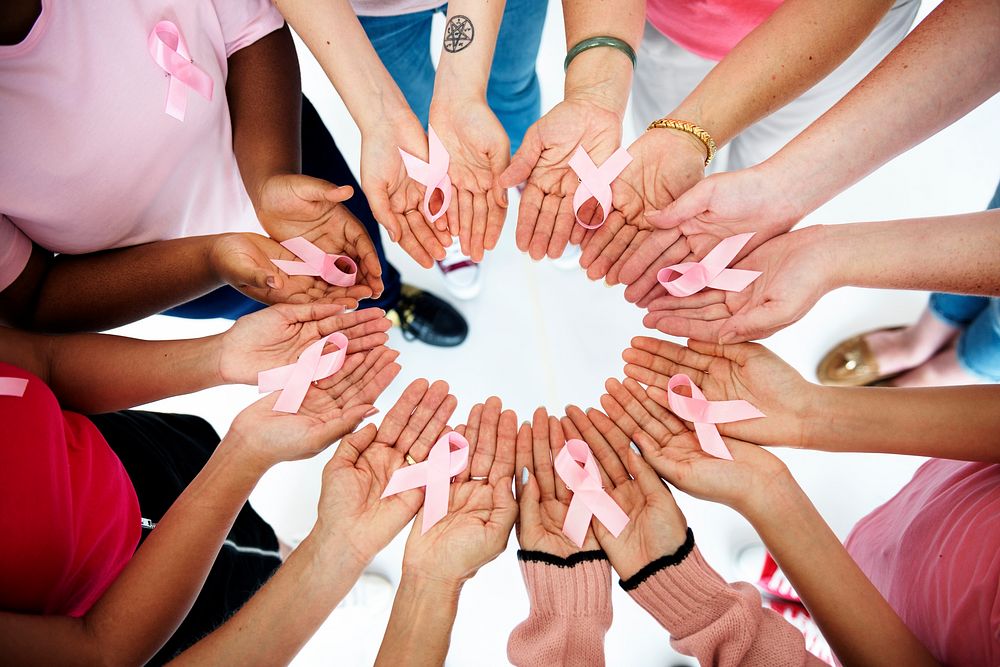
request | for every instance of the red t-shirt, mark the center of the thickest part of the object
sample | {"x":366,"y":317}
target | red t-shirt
{"x":69,"y":516}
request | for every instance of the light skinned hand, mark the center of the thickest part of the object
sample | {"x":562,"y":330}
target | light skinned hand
{"x":542,"y":496}
{"x":277,"y":335}
{"x":656,"y":526}
{"x":481,"y":512}
{"x":795,"y":274}
{"x":396,"y":199}
{"x":296,"y":205}
{"x":479,"y":152}
{"x":746,"y":371}
{"x":545,"y":218}
{"x":332,"y":408}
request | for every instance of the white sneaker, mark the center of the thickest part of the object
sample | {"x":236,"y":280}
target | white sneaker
{"x":462,"y":276}
{"x":570,"y":259}
{"x":371,"y":594}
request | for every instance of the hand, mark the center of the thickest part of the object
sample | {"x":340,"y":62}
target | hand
{"x":545,"y":218}
{"x":795,"y":274}
{"x":395,"y":198}
{"x":481,"y":512}
{"x":332,"y":408}
{"x":746,"y":483}
{"x":243,"y":261}
{"x":543,"y":498}
{"x":665,"y":164}
{"x":656,"y":526}
{"x":351,"y":508}
{"x":748,"y":372}
{"x":277,"y":336}
{"x":480,"y":151}
{"x":295,"y":205}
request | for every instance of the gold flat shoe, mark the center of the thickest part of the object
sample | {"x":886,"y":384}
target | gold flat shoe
{"x":851,"y":363}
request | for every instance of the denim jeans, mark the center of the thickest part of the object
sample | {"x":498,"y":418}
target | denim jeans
{"x":513,"y":93}
{"x":979,"y":318}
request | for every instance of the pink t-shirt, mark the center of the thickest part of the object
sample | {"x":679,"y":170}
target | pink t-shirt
{"x":90,"y":159}
{"x":708,"y":28}
{"x":933,"y":551}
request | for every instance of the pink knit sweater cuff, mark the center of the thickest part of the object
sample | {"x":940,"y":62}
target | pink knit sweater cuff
{"x":685,"y":596}
{"x":577,"y":588}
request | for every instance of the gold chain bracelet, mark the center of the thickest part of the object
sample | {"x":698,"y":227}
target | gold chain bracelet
{"x":684,"y":126}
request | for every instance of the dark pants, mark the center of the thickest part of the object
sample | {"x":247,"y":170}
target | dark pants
{"x":162,"y":453}
{"x":321,"y":159}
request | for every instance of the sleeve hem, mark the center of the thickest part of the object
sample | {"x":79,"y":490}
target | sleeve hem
{"x":650,"y":569}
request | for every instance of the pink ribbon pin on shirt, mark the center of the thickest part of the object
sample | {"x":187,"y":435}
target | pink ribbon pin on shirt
{"x":13,"y":386}
{"x":596,"y":181}
{"x":706,"y":414}
{"x":293,"y":380}
{"x":448,"y":457}
{"x":315,"y":262}
{"x":170,"y":52}
{"x":589,"y":497}
{"x":432,"y":175}
{"x":711,"y":271}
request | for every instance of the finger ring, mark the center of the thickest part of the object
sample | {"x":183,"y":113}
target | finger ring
{"x":478,"y":479}
{"x":409,"y":460}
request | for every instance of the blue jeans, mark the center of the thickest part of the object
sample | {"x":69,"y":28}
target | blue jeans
{"x":513,"y":93}
{"x":979,"y":318}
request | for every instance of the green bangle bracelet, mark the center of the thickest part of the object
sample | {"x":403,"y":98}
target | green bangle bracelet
{"x":592,"y":42}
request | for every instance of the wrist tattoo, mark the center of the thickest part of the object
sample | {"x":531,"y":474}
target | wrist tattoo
{"x":458,"y":33}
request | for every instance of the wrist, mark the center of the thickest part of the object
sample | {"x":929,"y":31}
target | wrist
{"x":428,"y":588}
{"x":601,"y":76}
{"x":771,"y":498}
{"x":390,"y":112}
{"x":241,"y":454}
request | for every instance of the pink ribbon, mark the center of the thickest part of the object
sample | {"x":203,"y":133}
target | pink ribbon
{"x":13,"y":386}
{"x":170,"y":52}
{"x":589,"y":497}
{"x":706,"y":414}
{"x":596,"y":181}
{"x":711,"y":271}
{"x":432,"y":175}
{"x":317,"y":263}
{"x":448,"y":457}
{"x":293,"y":380}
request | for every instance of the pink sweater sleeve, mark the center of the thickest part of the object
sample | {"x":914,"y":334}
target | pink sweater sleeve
{"x":717,"y":623}
{"x":570,"y":611}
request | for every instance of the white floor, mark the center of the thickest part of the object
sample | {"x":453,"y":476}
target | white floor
{"x":541,"y":336}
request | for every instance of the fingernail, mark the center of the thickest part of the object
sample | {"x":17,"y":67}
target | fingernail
{"x":271,"y":282}
{"x":635,"y":449}
{"x":503,"y":195}
{"x":524,"y":476}
{"x":373,"y":411}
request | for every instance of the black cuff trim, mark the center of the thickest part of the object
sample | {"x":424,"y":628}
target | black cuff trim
{"x":661,"y":563}
{"x":573,"y":559}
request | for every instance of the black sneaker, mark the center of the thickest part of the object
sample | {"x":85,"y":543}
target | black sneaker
{"x":423,"y":316}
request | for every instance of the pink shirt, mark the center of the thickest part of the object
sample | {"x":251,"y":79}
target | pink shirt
{"x":708,"y":28}
{"x":90,"y":160}
{"x":933,"y":551}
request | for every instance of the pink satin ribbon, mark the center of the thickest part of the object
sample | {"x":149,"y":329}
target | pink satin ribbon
{"x":293,"y":380}
{"x":711,"y":271}
{"x":596,"y":181}
{"x":589,"y":497}
{"x":315,"y":262}
{"x":13,"y":386}
{"x":170,"y":52}
{"x":432,"y":175}
{"x":706,"y":414}
{"x":448,"y":457}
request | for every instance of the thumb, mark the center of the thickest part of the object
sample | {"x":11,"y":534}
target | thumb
{"x":352,"y":446}
{"x":347,"y":422}
{"x":524,"y":160}
{"x":692,"y":203}
{"x":339,"y":193}
{"x":316,"y":189}
{"x":378,"y":201}
{"x":648,"y":479}
{"x":759,"y":322}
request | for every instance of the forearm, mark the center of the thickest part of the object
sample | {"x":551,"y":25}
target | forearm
{"x":925,"y":84}
{"x":602,"y":74}
{"x":419,"y":630}
{"x":155,"y":591}
{"x":331,"y":29}
{"x":828,"y":581}
{"x":265,"y":105}
{"x":464,"y":67}
{"x":93,"y":373}
{"x":894,"y":421}
{"x":802,"y":42}
{"x":285,"y":612}
{"x":107,"y":289}
{"x":949,"y":254}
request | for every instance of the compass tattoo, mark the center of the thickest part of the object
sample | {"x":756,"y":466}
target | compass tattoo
{"x":458,"y":33}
